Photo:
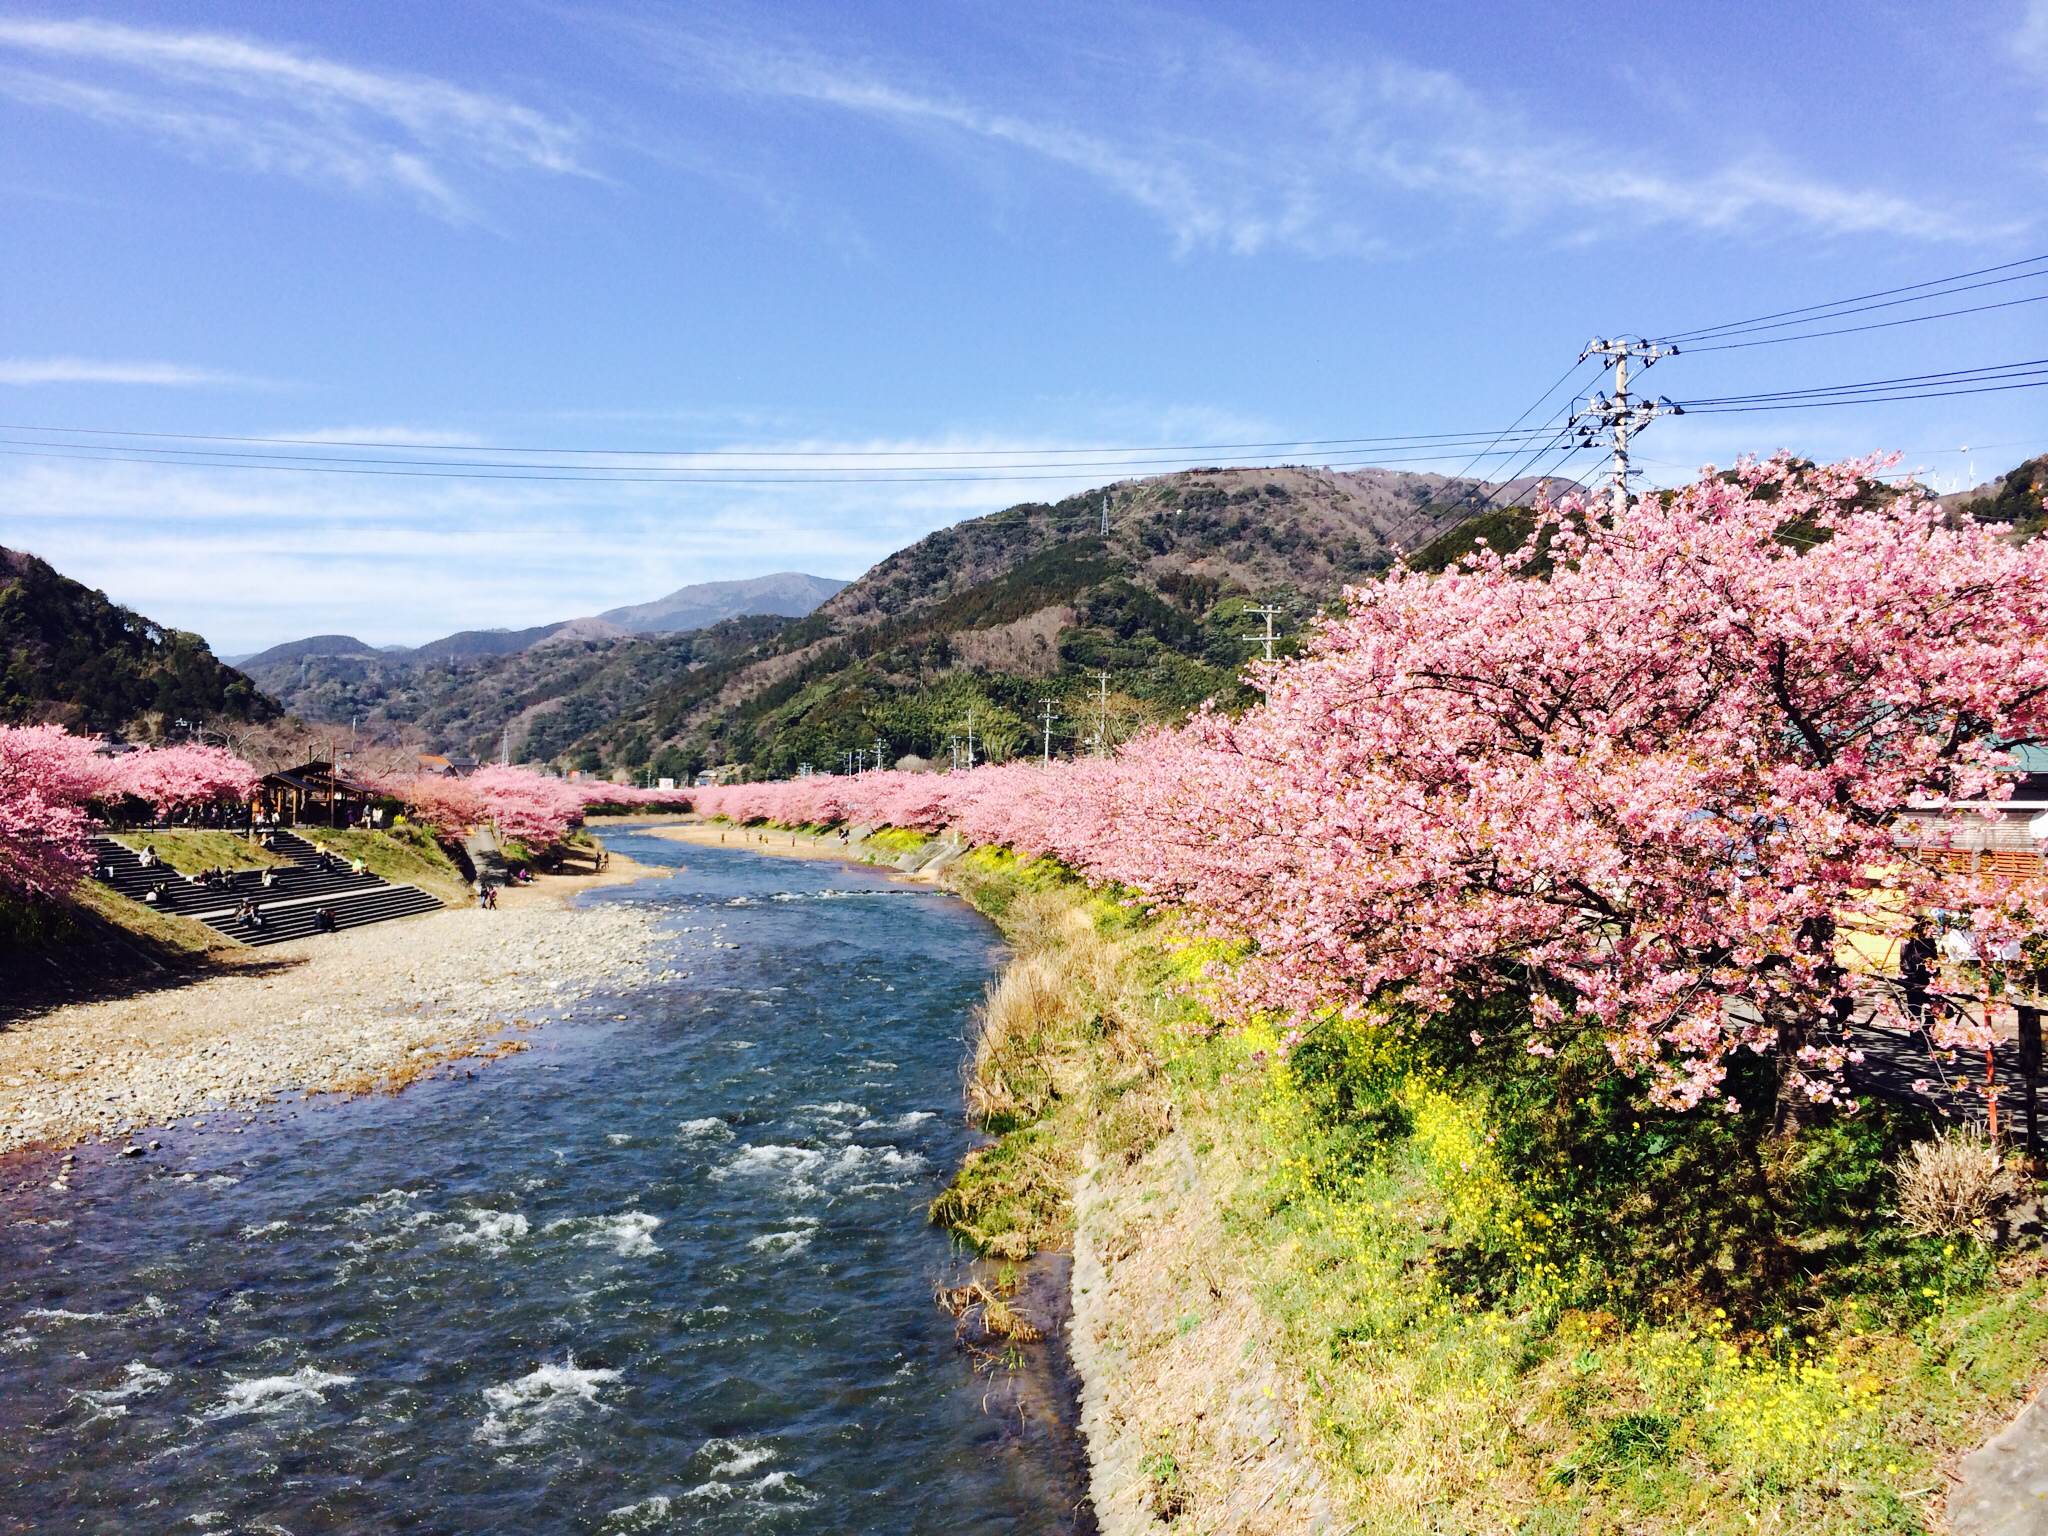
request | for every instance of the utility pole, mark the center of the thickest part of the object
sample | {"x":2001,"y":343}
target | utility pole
{"x":970,"y":736}
{"x":1102,"y":714}
{"x":953,"y":752}
{"x":505,"y":748}
{"x":1269,"y":612}
{"x":1613,"y":414}
{"x":879,"y":763}
{"x":1047,"y":758}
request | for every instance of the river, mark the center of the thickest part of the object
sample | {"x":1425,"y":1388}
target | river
{"x":668,"y":1270}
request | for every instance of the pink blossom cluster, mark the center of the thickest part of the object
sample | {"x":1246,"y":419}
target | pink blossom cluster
{"x":49,"y":778}
{"x":517,"y":803}
{"x":1645,"y":790}
{"x":180,"y":777}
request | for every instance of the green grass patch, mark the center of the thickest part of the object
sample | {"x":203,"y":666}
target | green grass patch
{"x":185,"y":936}
{"x":1515,"y":1296}
{"x":898,"y":840}
{"x":191,"y":852}
{"x":407,"y":855}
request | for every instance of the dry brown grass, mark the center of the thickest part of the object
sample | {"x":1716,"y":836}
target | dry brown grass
{"x":1952,"y":1184}
{"x":1057,"y":1050}
{"x":1023,"y":1017}
{"x":983,"y":1309}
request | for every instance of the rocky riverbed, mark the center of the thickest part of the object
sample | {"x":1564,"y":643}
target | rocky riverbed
{"x":357,"y":1011}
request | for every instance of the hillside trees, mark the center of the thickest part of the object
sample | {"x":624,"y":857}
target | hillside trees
{"x":69,"y":656}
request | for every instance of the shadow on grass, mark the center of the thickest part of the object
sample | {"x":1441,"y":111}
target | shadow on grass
{"x":94,"y":960}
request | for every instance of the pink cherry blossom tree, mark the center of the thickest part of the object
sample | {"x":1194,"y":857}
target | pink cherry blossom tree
{"x":47,"y":776}
{"x":182,"y":777}
{"x":1645,"y":792}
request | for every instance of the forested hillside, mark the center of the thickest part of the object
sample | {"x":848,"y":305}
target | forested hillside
{"x":71,"y":657}
{"x":554,"y":696}
{"x":982,"y":622}
{"x":2017,"y":499}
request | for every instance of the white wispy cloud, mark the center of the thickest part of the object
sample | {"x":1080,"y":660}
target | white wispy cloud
{"x":2030,"y":38}
{"x":249,"y":558}
{"x":1239,"y":148}
{"x":86,"y":370}
{"x":285,"y":111}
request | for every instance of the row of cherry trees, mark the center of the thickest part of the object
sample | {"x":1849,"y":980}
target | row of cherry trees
{"x":1640,"y":774}
{"x":51,"y":781}
{"x":517,"y":803}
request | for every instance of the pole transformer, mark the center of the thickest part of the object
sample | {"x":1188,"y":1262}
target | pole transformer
{"x":1615,"y":416}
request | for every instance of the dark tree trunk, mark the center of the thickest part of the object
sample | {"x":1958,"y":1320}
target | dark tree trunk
{"x":1793,"y":1110}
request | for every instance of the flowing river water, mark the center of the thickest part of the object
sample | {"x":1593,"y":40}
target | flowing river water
{"x":669,"y":1270}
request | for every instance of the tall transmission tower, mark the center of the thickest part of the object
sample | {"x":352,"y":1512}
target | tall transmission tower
{"x":1269,"y":612}
{"x":1615,"y":415}
{"x":1105,"y":514}
{"x":1047,"y":758}
{"x":879,"y":764}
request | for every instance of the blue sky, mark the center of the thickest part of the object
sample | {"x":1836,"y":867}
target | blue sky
{"x":802,"y":230}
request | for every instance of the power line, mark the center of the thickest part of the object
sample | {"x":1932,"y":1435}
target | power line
{"x":1858,"y":298}
{"x":1465,"y":496}
{"x":709,"y":475}
{"x":1875,"y":325}
{"x":1468,"y":434}
{"x":599,"y":476}
{"x":1986,"y":371}
{"x":1864,"y":309}
{"x":1807,"y":405}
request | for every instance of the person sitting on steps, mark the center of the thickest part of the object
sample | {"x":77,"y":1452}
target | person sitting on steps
{"x":323,"y":920}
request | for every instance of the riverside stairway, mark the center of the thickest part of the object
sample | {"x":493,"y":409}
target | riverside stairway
{"x":290,"y":904}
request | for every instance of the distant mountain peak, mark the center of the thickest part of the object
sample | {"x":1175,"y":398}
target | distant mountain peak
{"x":791,"y":594}
{"x":335,"y":677}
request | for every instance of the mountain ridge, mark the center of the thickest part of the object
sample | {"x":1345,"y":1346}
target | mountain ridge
{"x":328,"y":678}
{"x":994,"y":612}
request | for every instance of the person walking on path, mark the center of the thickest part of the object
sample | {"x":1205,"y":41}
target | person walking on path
{"x":1916,"y":973}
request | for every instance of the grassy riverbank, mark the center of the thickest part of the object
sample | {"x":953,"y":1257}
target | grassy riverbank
{"x":191,"y":852}
{"x":1487,"y":1294}
{"x":407,"y":855}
